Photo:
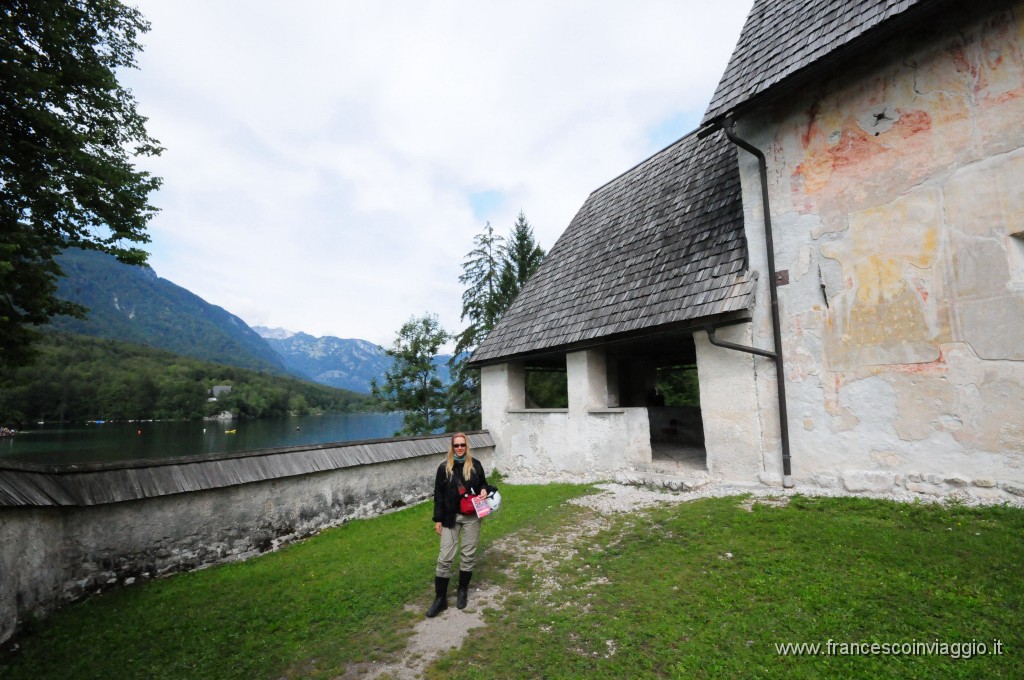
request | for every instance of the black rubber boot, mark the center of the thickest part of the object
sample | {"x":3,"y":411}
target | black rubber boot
{"x":462,"y":594}
{"x":440,"y":597}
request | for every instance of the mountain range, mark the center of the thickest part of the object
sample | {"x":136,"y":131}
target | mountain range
{"x":346,"y":363}
{"x":133,"y":304}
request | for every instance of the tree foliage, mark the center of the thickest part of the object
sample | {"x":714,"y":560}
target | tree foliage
{"x":68,"y":134}
{"x":679,"y":385}
{"x":412,"y":385}
{"x":520,"y":257}
{"x":84,"y":378}
{"x":546,"y":388}
{"x":462,"y":397}
{"x":481,"y":273}
{"x":494,"y":272}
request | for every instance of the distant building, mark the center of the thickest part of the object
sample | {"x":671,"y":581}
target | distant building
{"x":894,"y":160}
{"x":217,"y":390}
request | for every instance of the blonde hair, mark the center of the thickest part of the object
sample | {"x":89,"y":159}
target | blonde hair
{"x":467,"y":465}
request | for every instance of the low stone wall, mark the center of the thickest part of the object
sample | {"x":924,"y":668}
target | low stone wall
{"x":70,"y":531}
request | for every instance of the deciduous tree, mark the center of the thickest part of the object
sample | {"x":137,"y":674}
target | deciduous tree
{"x":412,"y":385}
{"x":69,"y":132}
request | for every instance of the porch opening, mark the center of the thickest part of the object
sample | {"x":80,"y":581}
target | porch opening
{"x":677,"y":428}
{"x":660,"y":373}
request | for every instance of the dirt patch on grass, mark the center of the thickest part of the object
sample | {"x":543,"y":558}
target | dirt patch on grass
{"x":431,"y":637}
{"x":770,"y":501}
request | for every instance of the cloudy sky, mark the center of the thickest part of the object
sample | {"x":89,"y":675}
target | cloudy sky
{"x":328,"y":163}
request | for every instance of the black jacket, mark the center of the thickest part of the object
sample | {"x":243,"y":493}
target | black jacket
{"x":446,"y":491}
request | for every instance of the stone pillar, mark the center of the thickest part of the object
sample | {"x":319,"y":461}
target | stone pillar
{"x":612,"y":370}
{"x":587,"y":378}
{"x":588,"y":389}
{"x":729,"y":406}
{"x":502,"y":388}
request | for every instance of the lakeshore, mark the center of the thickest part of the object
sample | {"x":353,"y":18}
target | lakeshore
{"x":104,"y":441}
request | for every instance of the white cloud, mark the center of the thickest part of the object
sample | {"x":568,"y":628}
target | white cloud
{"x":323,"y":157}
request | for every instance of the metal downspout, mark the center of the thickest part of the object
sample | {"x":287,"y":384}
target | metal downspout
{"x":710,"y":330}
{"x":780,"y":376}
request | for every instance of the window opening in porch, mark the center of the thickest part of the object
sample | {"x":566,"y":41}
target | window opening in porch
{"x":547,"y":385}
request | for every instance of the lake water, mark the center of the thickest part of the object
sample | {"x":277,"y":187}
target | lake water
{"x":81,"y":443}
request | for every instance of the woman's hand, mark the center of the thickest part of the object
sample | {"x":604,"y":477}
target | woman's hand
{"x":437,"y":528}
{"x":483,"y":494}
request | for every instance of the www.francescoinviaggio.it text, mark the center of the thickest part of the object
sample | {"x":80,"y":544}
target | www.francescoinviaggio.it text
{"x":954,"y":650}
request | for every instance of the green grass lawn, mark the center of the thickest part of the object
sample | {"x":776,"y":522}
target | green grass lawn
{"x":703,"y":589}
{"x":304,"y":611}
{"x":708,"y":589}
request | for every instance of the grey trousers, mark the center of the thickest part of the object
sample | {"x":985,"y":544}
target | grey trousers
{"x":469,"y":527}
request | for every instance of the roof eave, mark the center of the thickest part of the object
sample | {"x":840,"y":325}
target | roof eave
{"x":689,"y":325}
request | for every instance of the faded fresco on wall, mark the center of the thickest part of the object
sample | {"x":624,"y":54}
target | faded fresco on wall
{"x":898,"y":191}
{"x":891,"y":126}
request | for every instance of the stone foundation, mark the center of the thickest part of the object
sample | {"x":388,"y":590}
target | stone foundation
{"x":952,"y":485}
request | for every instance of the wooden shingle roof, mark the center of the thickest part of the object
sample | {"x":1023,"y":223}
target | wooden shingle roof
{"x":782,"y":39}
{"x":661,"y":244}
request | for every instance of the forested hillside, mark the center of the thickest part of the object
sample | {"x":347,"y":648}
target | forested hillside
{"x":133,"y":304}
{"x":81,"y":378}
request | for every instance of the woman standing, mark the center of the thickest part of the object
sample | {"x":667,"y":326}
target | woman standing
{"x":458,"y":480}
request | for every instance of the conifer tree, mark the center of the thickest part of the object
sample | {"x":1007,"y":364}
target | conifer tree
{"x":521,"y":255}
{"x":494,"y":272}
{"x":481,"y":272}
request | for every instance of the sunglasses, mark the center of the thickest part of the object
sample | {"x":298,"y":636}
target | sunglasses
{"x":458,"y":446}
